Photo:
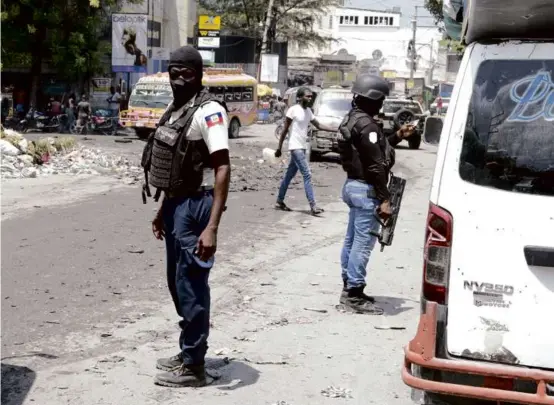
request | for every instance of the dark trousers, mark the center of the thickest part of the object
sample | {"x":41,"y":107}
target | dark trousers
{"x":187,"y":275}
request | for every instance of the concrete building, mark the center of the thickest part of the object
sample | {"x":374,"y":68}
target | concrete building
{"x":374,"y":37}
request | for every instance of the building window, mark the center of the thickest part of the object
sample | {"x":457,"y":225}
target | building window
{"x":366,"y":20}
{"x":391,"y":21}
{"x":380,"y":20}
{"x":371,"y":21}
{"x":320,"y":22}
{"x":356,"y":20}
{"x":330,"y":22}
{"x":341,"y":20}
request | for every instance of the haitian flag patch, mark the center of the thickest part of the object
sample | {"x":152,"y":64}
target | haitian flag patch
{"x":214,"y":119}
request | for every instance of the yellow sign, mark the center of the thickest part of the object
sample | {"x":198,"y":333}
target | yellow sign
{"x":410,"y":84}
{"x":209,"y":22}
{"x":389,"y":74}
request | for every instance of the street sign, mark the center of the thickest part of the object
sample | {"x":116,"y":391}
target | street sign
{"x":208,"y":42}
{"x":209,"y":22}
{"x":410,"y":84}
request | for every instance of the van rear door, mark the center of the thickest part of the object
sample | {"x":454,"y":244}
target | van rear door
{"x":497,"y":182}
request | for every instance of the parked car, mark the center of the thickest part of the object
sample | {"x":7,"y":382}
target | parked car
{"x":329,"y":108}
{"x":399,"y":111}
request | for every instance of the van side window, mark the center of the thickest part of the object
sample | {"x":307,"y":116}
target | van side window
{"x":508,"y":140}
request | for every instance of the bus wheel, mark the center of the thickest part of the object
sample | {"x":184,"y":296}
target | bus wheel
{"x":234,"y":128}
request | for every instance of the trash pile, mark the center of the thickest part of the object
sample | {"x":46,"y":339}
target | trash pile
{"x":22,"y":158}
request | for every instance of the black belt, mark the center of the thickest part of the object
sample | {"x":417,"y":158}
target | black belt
{"x":190,"y":193}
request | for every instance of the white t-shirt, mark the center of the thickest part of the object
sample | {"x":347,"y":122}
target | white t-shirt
{"x":298,"y":131}
{"x":114,"y":105}
{"x":210,"y":123}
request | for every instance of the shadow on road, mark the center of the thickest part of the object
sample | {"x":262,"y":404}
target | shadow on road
{"x":235,"y":375}
{"x":16,"y":383}
{"x":392,"y":305}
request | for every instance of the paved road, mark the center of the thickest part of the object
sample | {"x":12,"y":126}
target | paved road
{"x":84,"y":318}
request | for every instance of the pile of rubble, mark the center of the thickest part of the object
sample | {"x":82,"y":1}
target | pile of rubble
{"x":22,"y":158}
{"x":255,"y":174}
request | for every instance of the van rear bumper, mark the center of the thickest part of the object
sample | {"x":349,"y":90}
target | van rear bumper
{"x":421,"y":352}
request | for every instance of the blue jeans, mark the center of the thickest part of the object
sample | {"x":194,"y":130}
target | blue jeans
{"x":358,"y":242}
{"x":187,"y":276}
{"x":297,"y":162}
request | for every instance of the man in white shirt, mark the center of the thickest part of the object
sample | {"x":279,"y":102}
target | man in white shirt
{"x":298,"y":121}
{"x":188,"y":158}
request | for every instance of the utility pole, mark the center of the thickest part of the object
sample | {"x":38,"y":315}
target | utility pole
{"x":431,"y":63}
{"x":264,"y":39}
{"x":413,"y":54}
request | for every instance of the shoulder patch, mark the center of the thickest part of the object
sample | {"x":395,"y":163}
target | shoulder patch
{"x":373,"y":137}
{"x":214,"y":119}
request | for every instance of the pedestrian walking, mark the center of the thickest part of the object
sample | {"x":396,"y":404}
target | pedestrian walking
{"x":187,"y":160}
{"x":71,"y":105}
{"x":297,"y":122}
{"x":367,"y":156}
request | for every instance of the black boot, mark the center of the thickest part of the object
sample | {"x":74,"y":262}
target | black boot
{"x":356,"y":302}
{"x":170,"y":363}
{"x":184,"y":376}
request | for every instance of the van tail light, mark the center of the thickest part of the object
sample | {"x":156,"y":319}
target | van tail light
{"x":436,"y":254}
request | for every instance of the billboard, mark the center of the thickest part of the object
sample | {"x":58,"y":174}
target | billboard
{"x":129,"y":40}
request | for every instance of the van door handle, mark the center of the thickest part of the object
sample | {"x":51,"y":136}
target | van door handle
{"x":539,"y":256}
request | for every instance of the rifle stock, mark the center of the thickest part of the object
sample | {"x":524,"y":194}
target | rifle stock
{"x":396,"y":189}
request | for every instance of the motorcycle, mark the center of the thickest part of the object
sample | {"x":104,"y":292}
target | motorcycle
{"x":42,"y":122}
{"x":100,"y":122}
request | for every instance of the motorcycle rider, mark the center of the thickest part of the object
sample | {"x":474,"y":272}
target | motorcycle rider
{"x":367,"y":157}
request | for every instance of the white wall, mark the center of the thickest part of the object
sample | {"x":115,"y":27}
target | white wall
{"x":362,"y":40}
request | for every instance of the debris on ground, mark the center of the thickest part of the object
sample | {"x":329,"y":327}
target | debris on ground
{"x":47,"y":156}
{"x":336,"y":392}
{"x":265,"y":362}
{"x":321,"y":311}
{"x":249,"y":173}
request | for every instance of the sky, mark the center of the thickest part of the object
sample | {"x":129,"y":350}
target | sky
{"x":407,"y":8}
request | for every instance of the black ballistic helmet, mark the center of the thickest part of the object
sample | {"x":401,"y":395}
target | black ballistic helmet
{"x":370,"y":86}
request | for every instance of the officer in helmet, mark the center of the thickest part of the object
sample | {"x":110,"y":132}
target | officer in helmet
{"x":367,"y":157}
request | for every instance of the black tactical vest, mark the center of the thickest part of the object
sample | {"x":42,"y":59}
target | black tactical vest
{"x":349,"y":156}
{"x":171,"y":162}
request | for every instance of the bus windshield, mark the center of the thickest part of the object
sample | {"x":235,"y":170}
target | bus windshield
{"x":151,"y":95}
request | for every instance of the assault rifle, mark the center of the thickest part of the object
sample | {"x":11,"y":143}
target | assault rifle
{"x":396,"y":189}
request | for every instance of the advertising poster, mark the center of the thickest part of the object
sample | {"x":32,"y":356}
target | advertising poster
{"x":129,"y":43}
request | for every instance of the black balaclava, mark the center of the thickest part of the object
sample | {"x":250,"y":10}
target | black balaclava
{"x":184,"y":90}
{"x":370,"y":107}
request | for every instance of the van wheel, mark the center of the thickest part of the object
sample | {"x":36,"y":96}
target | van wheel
{"x":414,"y":141}
{"x":234,"y":128}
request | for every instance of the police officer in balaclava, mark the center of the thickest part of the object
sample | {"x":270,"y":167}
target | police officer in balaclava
{"x":187,"y":161}
{"x":367,"y":157}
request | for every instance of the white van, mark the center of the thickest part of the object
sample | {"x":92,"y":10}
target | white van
{"x":486,"y":330}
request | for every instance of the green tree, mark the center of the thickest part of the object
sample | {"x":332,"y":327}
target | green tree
{"x":64,"y":33}
{"x":435,"y":9}
{"x":291,"y":19}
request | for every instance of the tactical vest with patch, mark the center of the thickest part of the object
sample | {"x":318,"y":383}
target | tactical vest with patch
{"x":349,"y":156}
{"x":171,"y":162}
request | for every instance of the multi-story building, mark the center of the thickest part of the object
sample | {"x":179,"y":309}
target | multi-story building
{"x":375,"y":38}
